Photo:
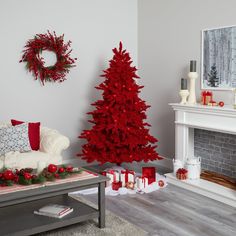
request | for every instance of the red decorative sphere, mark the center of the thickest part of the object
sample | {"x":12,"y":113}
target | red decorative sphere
{"x":8,"y":175}
{"x":52,"y":168}
{"x":161,"y":183}
{"x":69,"y":168}
{"x":61,"y":170}
{"x":221,"y":104}
{"x":56,"y":175}
{"x":27,"y":176}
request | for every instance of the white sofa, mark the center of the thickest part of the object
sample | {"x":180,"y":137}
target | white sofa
{"x":52,"y":143}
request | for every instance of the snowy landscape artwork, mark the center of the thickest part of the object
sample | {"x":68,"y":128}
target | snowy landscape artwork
{"x":218,"y":67}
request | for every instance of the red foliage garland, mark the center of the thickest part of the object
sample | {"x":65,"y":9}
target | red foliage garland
{"x":35,"y":62}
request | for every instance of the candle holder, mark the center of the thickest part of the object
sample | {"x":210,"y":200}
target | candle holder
{"x":193,"y":75}
{"x":184,"y":95}
{"x":192,"y":94}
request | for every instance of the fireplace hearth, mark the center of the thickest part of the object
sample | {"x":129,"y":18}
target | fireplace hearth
{"x":216,"y":119}
{"x":219,"y":179}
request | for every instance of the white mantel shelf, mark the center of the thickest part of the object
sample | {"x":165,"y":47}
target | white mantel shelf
{"x":203,"y":108}
{"x":219,"y":119}
{"x":188,"y":117}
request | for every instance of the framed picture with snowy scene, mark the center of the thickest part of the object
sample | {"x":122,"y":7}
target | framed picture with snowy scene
{"x":218,"y":62}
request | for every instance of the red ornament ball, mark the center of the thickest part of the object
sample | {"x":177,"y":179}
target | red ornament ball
{"x":221,"y":104}
{"x":56,"y":175}
{"x":161,"y":183}
{"x":52,"y":168}
{"x":8,"y":175}
{"x":27,"y":176}
{"x":129,"y":185}
{"x":69,"y":168}
{"x":61,"y":170}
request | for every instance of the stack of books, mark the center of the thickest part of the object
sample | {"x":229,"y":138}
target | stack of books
{"x":54,"y":210}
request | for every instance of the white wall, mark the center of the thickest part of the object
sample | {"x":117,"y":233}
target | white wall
{"x":169,"y":33}
{"x":94,"y":26}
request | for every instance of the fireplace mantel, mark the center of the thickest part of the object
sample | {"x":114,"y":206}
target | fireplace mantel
{"x":220,"y":119}
{"x":188,"y":117}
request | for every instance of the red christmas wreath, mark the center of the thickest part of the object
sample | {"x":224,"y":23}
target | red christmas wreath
{"x":35,"y":62}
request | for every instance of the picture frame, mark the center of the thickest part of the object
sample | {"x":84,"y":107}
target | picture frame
{"x":218,"y":58}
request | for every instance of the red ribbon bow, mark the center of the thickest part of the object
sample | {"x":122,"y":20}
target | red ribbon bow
{"x":182,"y":171}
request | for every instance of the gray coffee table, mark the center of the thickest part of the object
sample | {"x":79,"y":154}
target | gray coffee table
{"x":16,"y":209}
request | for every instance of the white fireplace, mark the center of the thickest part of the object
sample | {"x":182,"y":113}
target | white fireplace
{"x":188,"y":117}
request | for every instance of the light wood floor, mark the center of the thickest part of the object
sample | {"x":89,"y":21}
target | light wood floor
{"x":174,"y":211}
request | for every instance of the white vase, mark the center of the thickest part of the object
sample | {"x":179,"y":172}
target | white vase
{"x":192,"y":90}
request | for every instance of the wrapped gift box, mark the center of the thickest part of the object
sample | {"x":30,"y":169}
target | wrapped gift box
{"x":116,"y":185}
{"x":182,"y":174}
{"x":206,"y":97}
{"x":127,"y":176}
{"x":113,"y":175}
{"x":150,"y":173}
{"x":141,"y":182}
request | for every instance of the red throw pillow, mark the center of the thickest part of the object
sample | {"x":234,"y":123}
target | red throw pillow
{"x":34,"y":133}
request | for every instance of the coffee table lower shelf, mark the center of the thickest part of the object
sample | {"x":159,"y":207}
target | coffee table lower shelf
{"x":17,"y":220}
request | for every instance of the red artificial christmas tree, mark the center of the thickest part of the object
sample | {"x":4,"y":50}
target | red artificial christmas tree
{"x":119,"y":132}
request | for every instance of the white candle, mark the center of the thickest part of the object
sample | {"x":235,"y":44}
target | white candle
{"x":40,"y":166}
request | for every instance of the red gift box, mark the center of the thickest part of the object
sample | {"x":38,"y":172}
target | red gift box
{"x":206,"y":97}
{"x":182,"y":174}
{"x":116,"y":185}
{"x":150,"y":173}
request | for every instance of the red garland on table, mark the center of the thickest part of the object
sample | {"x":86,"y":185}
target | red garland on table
{"x":27,"y":177}
{"x":35,"y":63}
{"x":119,"y":133}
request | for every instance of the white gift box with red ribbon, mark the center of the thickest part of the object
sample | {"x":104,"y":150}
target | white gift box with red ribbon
{"x":113,"y":175}
{"x":127,"y":176}
{"x":141,"y":182}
